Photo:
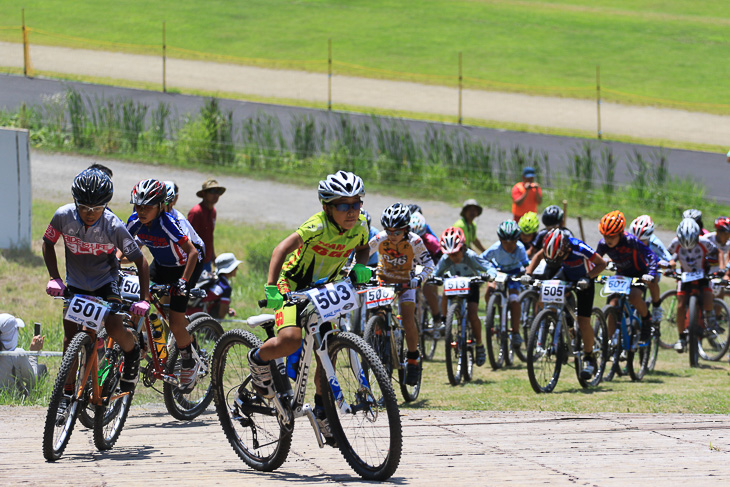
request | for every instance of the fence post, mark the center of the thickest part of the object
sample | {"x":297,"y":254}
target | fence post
{"x":26,"y":49}
{"x":164,"y":58}
{"x":329,"y":74}
{"x":598,"y":99}
{"x":460,"y":87}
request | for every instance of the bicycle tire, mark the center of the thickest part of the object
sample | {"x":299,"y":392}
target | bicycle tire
{"x":109,"y":420}
{"x":453,"y":352}
{"x":492,"y":328}
{"x":637,"y":359}
{"x":615,"y":345}
{"x":199,"y":314}
{"x":410,"y":393}
{"x":668,"y":326}
{"x":425,"y":331}
{"x":544,"y":360}
{"x":86,"y":409}
{"x":205,"y":331}
{"x":230,"y":379}
{"x":714,"y":346}
{"x":653,"y":353}
{"x":600,"y":331}
{"x":377,"y":335}
{"x":693,"y":306}
{"x":528,"y":310}
{"x":467,"y":354}
{"x":56,"y":434}
{"x":360,"y":434}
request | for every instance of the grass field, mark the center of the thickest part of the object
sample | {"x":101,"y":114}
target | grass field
{"x":673,"y":388}
{"x":670,"y":50}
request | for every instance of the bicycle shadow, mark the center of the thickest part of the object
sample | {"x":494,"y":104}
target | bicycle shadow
{"x":324,"y":478}
{"x":124,"y":454}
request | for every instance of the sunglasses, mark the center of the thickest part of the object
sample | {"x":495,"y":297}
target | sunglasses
{"x":395,"y":233}
{"x":90,"y":209}
{"x":346,"y":207}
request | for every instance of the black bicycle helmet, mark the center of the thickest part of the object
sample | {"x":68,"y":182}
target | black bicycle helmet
{"x":396,"y":215}
{"x":92,"y":187}
{"x":552,"y":215}
{"x":148,"y":192}
{"x":415,"y":208}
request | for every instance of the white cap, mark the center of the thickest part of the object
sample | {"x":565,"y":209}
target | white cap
{"x":225,"y":263}
{"x":9,"y":325}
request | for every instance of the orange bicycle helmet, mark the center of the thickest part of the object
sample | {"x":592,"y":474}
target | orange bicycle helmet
{"x":452,"y":240}
{"x":612,"y":223}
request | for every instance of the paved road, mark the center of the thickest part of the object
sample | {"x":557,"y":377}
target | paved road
{"x":537,"y":111}
{"x":440,"y":448}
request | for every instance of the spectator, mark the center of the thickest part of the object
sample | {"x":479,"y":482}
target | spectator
{"x":526,"y":195}
{"x":19,"y":371}
{"x":469,"y":211}
{"x":218,"y":299}
{"x":202,"y":217}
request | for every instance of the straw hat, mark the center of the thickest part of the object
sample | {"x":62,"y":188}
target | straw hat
{"x":208,"y":185}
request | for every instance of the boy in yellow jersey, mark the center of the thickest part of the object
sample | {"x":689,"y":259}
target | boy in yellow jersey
{"x":320,"y":249}
{"x":400,"y":250}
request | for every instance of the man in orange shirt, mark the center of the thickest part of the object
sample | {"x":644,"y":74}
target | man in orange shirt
{"x":526,"y":195}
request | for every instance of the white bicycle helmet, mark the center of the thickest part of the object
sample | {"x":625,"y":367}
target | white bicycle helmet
{"x":642,"y":227}
{"x":396,"y":215}
{"x":170,"y":188}
{"x":342,"y":184}
{"x":418,"y":224}
{"x":688,"y":233}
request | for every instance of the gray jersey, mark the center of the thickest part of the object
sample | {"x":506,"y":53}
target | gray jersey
{"x":189,"y":231}
{"x":91,"y":261}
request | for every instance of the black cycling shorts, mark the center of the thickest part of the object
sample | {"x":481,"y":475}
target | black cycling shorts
{"x":160,"y":274}
{"x":473,"y":296}
{"x":107,"y":292}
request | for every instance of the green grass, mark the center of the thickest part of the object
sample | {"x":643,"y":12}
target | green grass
{"x":673,"y":388}
{"x":663,"y":52}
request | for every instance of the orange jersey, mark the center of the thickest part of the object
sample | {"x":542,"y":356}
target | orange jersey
{"x":398,"y":261}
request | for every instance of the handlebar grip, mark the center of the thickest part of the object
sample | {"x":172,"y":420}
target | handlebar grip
{"x":262,"y":303}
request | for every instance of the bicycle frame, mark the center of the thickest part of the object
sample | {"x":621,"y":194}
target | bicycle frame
{"x":394,"y":325}
{"x":560,"y":310}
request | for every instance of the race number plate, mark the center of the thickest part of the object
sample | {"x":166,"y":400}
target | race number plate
{"x":333,"y":300}
{"x":87,"y":312}
{"x":692,"y":276}
{"x":553,"y":291}
{"x":617,"y":285}
{"x":379,"y":296}
{"x":455,"y":286}
{"x":501,"y":277}
{"x":130,"y":287}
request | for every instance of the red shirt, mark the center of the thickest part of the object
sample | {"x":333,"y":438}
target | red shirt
{"x":203,"y":221}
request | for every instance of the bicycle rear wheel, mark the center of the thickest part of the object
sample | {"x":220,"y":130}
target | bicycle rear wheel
{"x":714,"y":345}
{"x":637,"y":359}
{"x":600,"y":349}
{"x":668,"y":326}
{"x":454,"y":353}
{"x":528,"y":310}
{"x":544,"y":353}
{"x":109,"y":419}
{"x":63,"y":409}
{"x":377,"y":335}
{"x":493,"y":327}
{"x":369,"y":436}
{"x":410,"y":393}
{"x":248,"y":420}
{"x":204,"y":331}
{"x":426,"y":329}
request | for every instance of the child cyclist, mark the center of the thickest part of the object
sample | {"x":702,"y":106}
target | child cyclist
{"x":509,"y":256}
{"x":430,"y":292}
{"x":694,"y":253}
{"x":529,"y":225}
{"x":92,"y":234}
{"x":579,"y":264}
{"x":176,"y":262}
{"x":320,"y":250}
{"x":458,"y":260}
{"x":400,"y":251}
{"x":632,"y":259}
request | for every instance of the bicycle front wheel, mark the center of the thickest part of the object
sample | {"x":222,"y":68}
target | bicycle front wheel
{"x":369,"y":435}
{"x":668,"y":326}
{"x":694,"y":331}
{"x":63,"y":408}
{"x":454,"y":346}
{"x":248,"y":420}
{"x":109,"y":419}
{"x":637,"y":359}
{"x":715,"y":343}
{"x":204,"y":331}
{"x":428,"y":332}
{"x":410,"y":392}
{"x":377,"y":335}
{"x":545,"y":352}
{"x":492,"y":327}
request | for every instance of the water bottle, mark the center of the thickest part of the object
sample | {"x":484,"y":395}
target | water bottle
{"x":158,"y":336}
{"x":292,"y":364}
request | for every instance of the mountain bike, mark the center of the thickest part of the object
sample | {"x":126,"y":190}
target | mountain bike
{"x":555,"y":336}
{"x":498,"y":326}
{"x":623,"y":346}
{"x":429,"y":333}
{"x":359,"y":400}
{"x":385,"y":334}
{"x":80,"y":366}
{"x":708,"y":341}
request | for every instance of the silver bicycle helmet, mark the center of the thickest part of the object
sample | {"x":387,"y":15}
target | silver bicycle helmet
{"x":694,"y":214}
{"x":342,"y":184}
{"x":396,"y":215}
{"x":688,"y":233}
{"x":170,"y":189}
{"x":508,"y":230}
{"x":148,"y":192}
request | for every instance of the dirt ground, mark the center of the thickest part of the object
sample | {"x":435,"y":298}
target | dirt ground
{"x":488,"y":448}
{"x":537,"y":111}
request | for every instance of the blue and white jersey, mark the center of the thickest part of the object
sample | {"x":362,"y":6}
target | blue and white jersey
{"x":471,"y":265}
{"x":578,"y":263}
{"x":657,"y":246}
{"x":189,"y":230}
{"x":163,"y":237}
{"x":503,"y":260}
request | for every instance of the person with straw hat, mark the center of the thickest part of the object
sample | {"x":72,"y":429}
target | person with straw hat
{"x":202,"y":217}
{"x":469,"y":211}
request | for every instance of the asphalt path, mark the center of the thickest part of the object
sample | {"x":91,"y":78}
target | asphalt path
{"x":709,"y":168}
